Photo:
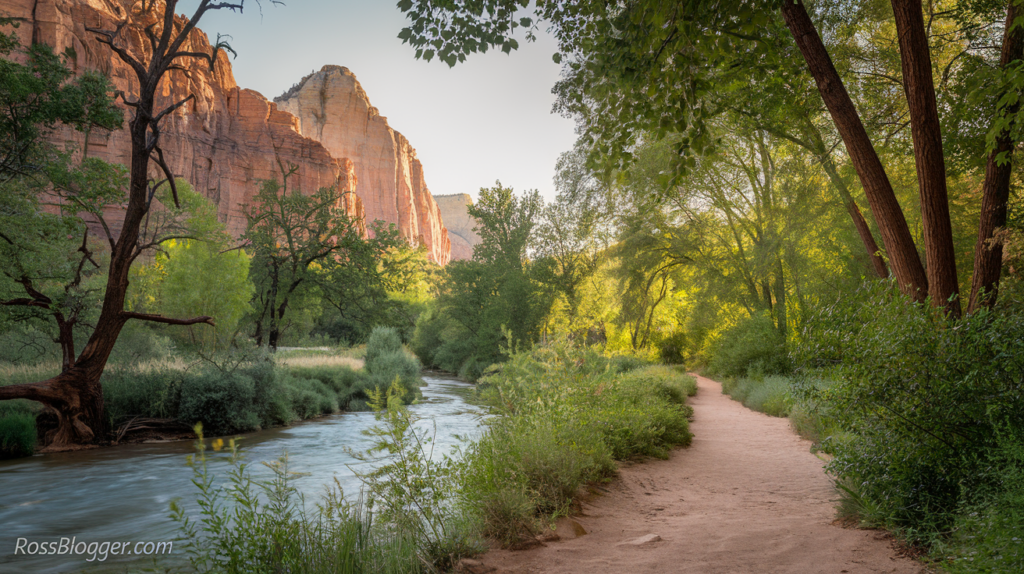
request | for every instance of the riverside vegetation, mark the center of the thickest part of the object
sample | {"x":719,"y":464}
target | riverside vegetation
{"x":566,"y":415}
{"x":239,"y":393}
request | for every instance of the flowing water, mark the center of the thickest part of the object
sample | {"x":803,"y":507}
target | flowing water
{"x":121,"y":494}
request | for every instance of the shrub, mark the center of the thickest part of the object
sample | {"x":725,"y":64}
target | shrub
{"x":771,"y":395}
{"x":988,"y":535}
{"x":17,"y":430}
{"x":152,"y":393}
{"x":253,"y":525}
{"x":673,"y":348}
{"x":569,"y":413}
{"x":348,"y":384}
{"x":386,"y":361}
{"x":754,"y":346}
{"x":920,"y":396}
{"x":224,"y":402}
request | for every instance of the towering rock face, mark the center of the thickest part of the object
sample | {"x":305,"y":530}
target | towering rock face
{"x":224,"y":142}
{"x":460,"y":223}
{"x":333,"y":109}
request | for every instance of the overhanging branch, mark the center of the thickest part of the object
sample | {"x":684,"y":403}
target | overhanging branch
{"x":168,"y":320}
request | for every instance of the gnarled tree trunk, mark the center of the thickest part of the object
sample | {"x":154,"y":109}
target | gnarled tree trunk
{"x":76,"y":394}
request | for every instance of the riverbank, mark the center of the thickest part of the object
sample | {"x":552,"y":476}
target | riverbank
{"x":122,"y":493}
{"x":163,"y":398}
{"x":746,"y":496}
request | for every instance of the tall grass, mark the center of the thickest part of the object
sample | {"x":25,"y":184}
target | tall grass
{"x":265,"y":526}
{"x":568,"y":415}
{"x":17,"y":431}
{"x":771,"y":395}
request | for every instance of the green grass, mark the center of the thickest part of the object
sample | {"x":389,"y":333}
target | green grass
{"x":771,"y":395}
{"x":17,"y":431}
{"x":229,"y":396}
{"x":567,"y":417}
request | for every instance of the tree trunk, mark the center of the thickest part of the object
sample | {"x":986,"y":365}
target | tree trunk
{"x":899,"y":244}
{"x":916,"y":60}
{"x":76,"y":394}
{"x":782,"y":321}
{"x":988,"y":254}
{"x":863,"y":230}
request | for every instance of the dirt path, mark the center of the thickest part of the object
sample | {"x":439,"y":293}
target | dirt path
{"x":746,"y":497}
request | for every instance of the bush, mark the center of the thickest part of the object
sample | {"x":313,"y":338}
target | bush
{"x":348,"y":384}
{"x":386,"y":361}
{"x":753,"y":347}
{"x":569,"y":414}
{"x":252,"y":525}
{"x":17,"y":430}
{"x":224,"y":402}
{"x":988,"y":535}
{"x":922,"y":397}
{"x":771,"y":395}
{"x":151,"y":393}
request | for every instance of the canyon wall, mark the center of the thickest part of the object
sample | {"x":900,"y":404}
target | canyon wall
{"x":460,"y":223}
{"x":228,"y":139}
{"x":333,"y":109}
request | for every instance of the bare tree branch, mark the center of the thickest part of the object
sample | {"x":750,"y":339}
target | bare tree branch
{"x":168,"y":320}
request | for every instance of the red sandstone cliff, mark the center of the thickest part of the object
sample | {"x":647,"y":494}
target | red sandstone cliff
{"x":228,"y":139}
{"x":333,"y":109}
{"x":461,"y":225}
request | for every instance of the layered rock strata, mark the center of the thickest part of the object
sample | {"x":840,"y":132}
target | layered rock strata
{"x":461,"y":225}
{"x":333,"y":109}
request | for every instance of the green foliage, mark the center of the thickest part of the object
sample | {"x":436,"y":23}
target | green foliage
{"x":383,"y":282}
{"x":901,"y":372}
{"x":150,"y":393}
{"x":250,"y":526}
{"x":36,"y":96}
{"x":233,"y":393}
{"x":753,"y":347}
{"x":412,"y":490}
{"x":17,"y":430}
{"x":200,"y":280}
{"x":480,"y":300}
{"x":569,"y":413}
{"x":307,"y":250}
{"x":224,"y":402}
{"x":771,"y":395}
{"x":387,"y":364}
{"x":988,"y":536}
{"x":352,"y":387}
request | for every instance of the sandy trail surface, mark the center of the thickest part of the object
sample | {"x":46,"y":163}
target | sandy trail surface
{"x":746,"y":496}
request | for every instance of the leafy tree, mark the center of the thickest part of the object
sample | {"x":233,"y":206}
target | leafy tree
{"x":567,"y":251}
{"x":383,"y":281}
{"x":195,"y":269}
{"x":650,"y":67}
{"x":76,"y":395}
{"x":292,"y":236}
{"x":492,"y":298}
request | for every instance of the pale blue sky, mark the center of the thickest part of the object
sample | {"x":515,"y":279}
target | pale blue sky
{"x":485,"y":119}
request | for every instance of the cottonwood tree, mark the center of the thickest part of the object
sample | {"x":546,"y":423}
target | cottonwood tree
{"x":566,"y":250}
{"x":647,"y":67}
{"x":301,"y":242}
{"x":76,"y":395}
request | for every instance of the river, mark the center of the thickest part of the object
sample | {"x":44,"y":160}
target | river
{"x":121,"y":494}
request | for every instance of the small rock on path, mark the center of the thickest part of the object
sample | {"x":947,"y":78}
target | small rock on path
{"x":746,"y":496}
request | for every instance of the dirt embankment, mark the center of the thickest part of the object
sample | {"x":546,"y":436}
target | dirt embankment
{"x":746,"y":497}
